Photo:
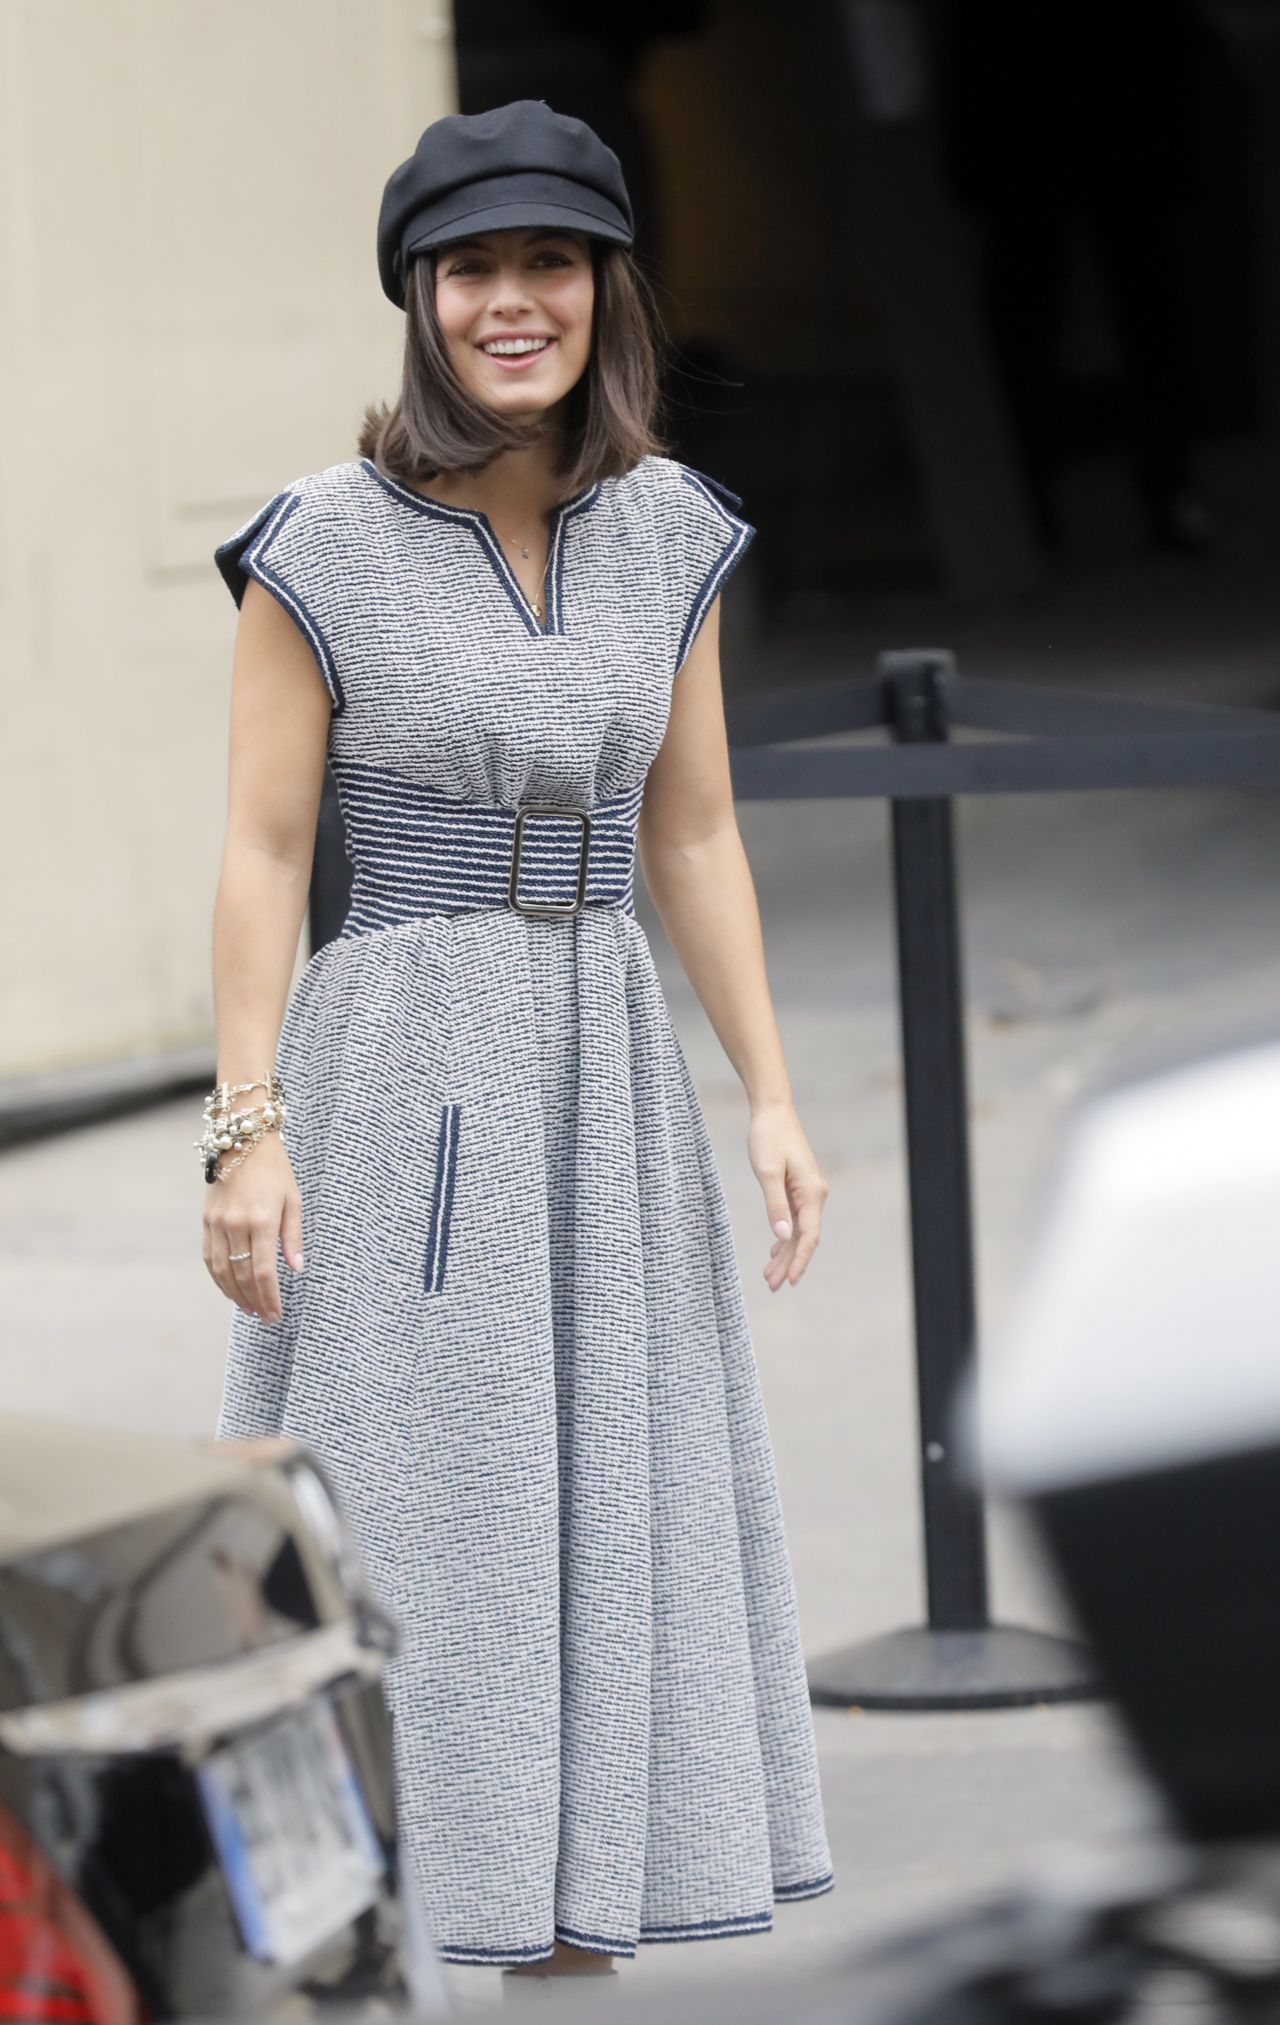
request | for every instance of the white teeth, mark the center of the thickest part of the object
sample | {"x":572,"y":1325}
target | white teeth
{"x":514,"y":346}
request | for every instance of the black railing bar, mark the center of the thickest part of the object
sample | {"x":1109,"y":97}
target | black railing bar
{"x":855,"y":703}
{"x":991,"y":705}
{"x":1029,"y":766}
{"x":806,"y":710}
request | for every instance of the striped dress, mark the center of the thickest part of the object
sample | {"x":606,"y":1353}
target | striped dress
{"x":519,"y":1344}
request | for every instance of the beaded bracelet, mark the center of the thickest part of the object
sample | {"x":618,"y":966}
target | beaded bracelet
{"x":225,"y":1129}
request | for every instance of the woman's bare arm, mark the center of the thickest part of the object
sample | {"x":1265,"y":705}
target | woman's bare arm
{"x":278,"y":734}
{"x":696,"y":870}
{"x":275,"y":769}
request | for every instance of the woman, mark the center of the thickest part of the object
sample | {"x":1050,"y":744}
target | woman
{"x":518,"y":1340}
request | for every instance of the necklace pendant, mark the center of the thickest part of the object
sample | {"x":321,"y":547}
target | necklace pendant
{"x":524,"y":551}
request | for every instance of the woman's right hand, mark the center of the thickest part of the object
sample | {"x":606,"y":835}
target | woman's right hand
{"x":257,"y":1204}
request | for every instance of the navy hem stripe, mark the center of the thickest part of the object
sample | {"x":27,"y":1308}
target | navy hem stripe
{"x":739,"y":536}
{"x":691,"y":1930}
{"x":654,"y":1937}
{"x":228,"y":553}
{"x":707,"y":1930}
{"x":246,"y":553}
{"x":483,"y":1956}
{"x":813,"y":1889}
{"x":598,"y":1944}
{"x":733,"y":498}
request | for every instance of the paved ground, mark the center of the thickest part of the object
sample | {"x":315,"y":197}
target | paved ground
{"x":1097,"y":927}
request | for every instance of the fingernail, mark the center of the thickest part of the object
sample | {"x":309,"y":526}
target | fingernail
{"x":782,"y":1227}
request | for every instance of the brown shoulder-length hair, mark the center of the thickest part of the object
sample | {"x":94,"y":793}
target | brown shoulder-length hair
{"x":436,"y":426}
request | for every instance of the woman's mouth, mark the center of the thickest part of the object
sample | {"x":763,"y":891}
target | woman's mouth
{"x":516,"y":362}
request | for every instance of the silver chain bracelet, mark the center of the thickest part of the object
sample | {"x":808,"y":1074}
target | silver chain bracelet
{"x":225,"y":1129}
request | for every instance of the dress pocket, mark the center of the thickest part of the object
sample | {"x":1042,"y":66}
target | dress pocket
{"x":442,"y":1199}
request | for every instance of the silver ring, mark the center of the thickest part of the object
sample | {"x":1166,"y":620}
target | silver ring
{"x":239,"y":1255}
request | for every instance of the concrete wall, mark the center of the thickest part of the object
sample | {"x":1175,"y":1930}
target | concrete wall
{"x":190,"y":317}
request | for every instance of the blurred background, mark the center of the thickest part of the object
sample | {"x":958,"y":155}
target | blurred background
{"x":977,"y":306}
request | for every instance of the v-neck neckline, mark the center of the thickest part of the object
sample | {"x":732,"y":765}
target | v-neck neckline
{"x":478,"y":521}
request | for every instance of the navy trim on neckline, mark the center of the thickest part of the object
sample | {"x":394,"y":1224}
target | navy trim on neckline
{"x":482,"y":527}
{"x":425,"y":505}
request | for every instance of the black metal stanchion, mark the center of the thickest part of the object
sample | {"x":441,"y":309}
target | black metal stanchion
{"x":959,"y":1659}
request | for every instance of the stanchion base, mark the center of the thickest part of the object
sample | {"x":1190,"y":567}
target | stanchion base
{"x":1003,"y":1667}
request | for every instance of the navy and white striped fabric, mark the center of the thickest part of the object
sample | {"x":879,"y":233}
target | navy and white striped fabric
{"x":520,"y":1343}
{"x":418,"y":852}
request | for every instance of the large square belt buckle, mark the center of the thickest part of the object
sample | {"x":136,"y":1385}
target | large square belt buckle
{"x":548,"y":907}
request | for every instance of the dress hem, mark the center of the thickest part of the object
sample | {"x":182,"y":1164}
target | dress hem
{"x":699,"y":1930}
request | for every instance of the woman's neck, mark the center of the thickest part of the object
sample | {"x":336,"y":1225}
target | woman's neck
{"x":514,"y":487}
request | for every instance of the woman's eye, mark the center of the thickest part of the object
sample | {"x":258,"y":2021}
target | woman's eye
{"x":468,"y":266}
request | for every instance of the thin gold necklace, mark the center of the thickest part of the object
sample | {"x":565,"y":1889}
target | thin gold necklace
{"x":534,"y":603}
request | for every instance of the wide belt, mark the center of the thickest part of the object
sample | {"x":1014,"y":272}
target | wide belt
{"x":418,"y":852}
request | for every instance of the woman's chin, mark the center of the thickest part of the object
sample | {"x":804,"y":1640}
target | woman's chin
{"x":522,"y":406}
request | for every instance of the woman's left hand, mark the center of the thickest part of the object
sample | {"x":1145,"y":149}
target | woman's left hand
{"x":794,"y":1189}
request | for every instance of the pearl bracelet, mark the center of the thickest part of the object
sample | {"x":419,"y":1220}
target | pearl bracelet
{"x":225,"y":1129}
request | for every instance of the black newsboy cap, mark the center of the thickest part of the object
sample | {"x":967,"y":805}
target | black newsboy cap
{"x":517,"y":164}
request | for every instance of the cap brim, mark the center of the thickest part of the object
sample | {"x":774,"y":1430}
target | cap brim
{"x":495,"y":217}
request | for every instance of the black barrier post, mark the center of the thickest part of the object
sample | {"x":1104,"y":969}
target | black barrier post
{"x":931,"y":999}
{"x":960,"y":1660}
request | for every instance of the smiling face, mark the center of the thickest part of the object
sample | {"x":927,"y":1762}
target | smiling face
{"x":532,"y":282}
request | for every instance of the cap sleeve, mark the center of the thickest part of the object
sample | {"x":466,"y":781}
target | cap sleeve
{"x":282,"y":547}
{"x":708,"y":541}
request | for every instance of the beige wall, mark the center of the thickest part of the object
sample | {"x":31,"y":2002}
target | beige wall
{"x":190,"y":316}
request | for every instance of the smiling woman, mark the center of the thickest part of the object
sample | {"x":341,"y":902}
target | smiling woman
{"x":561,"y":281}
{"x":484,"y":428}
{"x":520,"y":1345}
